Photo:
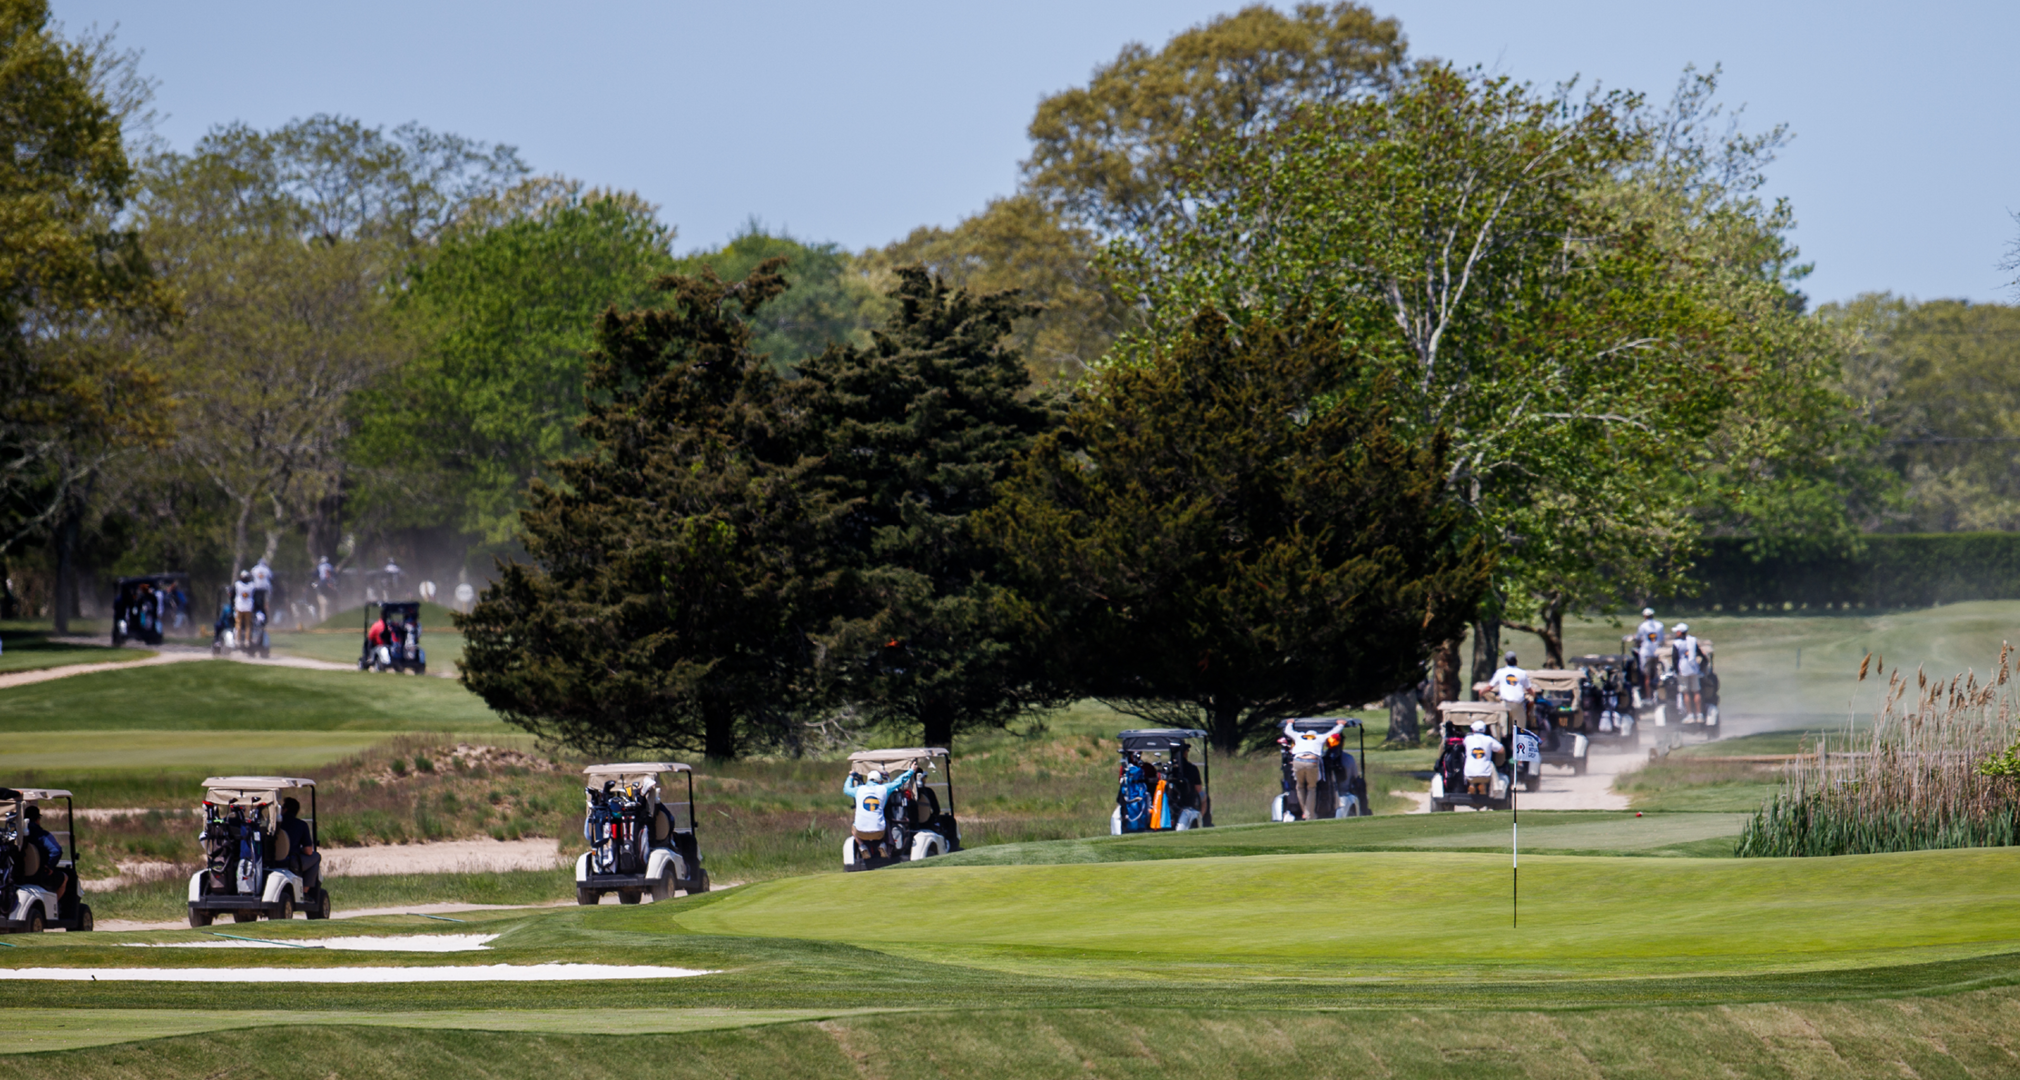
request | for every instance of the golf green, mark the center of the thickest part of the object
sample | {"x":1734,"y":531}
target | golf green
{"x":1438,"y":913}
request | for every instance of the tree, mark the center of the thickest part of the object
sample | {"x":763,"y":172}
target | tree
{"x":1019,"y":243}
{"x":1111,"y":155}
{"x":668,"y":566}
{"x":826,"y":303}
{"x":506,"y":306}
{"x":907,"y":440}
{"x":1233,"y":529}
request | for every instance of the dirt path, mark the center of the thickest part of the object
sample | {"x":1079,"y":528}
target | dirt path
{"x":168,"y":654}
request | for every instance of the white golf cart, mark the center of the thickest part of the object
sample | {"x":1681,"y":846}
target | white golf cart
{"x":918,"y":825}
{"x":1342,"y":790}
{"x":1606,"y":696}
{"x":25,"y":905}
{"x":637,"y":844}
{"x":1157,"y":785}
{"x":1559,"y":719}
{"x":1521,"y":764}
{"x":250,"y":865}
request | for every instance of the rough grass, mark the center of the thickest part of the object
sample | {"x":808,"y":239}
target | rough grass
{"x":1699,"y":783}
{"x":166,"y":899}
{"x":33,"y":651}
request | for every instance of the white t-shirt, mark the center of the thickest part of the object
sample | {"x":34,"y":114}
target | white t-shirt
{"x":1512,"y":684}
{"x":263,"y":576}
{"x":1310,"y":745}
{"x":1686,"y":655}
{"x":241,"y":596}
{"x":1648,"y":638}
{"x":1480,"y":750}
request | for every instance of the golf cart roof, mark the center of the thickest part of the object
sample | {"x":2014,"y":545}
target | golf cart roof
{"x":257,"y":790}
{"x":1161,"y":738}
{"x":404,"y":607}
{"x":894,"y":757}
{"x":31,"y":794}
{"x":1323,"y":723}
{"x":1599,"y":660}
{"x":636,"y":768}
{"x":1555,"y":679}
{"x":1481,"y":707}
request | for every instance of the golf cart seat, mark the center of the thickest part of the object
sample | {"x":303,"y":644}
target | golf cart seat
{"x":31,"y":861}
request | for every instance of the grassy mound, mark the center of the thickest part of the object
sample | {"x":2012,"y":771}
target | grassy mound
{"x":1275,"y":914}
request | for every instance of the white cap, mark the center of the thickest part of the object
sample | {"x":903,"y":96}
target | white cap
{"x":876,"y":776}
{"x":1479,"y":725}
{"x":1682,"y":627}
{"x":1648,"y":613}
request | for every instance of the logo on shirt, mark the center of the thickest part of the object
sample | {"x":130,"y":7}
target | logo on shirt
{"x":871,"y":802}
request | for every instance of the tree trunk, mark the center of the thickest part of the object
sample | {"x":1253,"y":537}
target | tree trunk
{"x":937,"y":727}
{"x":1445,"y":674}
{"x":718,"y":731}
{"x":1224,"y":729}
{"x":1486,"y":650}
{"x":66,"y":605}
{"x":1402,"y":715}
{"x":1553,"y":635}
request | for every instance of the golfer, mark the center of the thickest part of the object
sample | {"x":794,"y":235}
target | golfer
{"x":1511,"y":685}
{"x":1647,"y":644}
{"x":1308,"y":753}
{"x":1483,"y":755}
{"x":1689,"y":671}
{"x":873,"y":801}
{"x":242,"y":606}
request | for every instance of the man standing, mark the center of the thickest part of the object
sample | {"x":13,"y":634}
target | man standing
{"x":1483,"y":756}
{"x":326,"y":586}
{"x":263,"y":587}
{"x":1511,"y":685}
{"x":242,"y":607}
{"x":1689,"y":696}
{"x":872,"y":796}
{"x":1308,"y":755}
{"x":1647,"y":646}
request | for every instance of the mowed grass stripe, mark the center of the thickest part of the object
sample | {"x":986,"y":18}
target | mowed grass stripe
{"x":1309,"y":912}
{"x":226,"y":696}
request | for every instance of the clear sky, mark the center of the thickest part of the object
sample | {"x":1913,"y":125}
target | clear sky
{"x":855,"y":122}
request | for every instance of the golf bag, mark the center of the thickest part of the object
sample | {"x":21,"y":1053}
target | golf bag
{"x":234,"y":851}
{"x":617,"y":828}
{"x":1134,"y":798}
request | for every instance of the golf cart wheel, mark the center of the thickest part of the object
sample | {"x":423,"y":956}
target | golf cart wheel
{"x":216,"y":651}
{"x":245,"y":916}
{"x":319,"y":904}
{"x":1532,"y":782}
{"x":420,"y":669}
{"x":698,"y":883}
{"x":662,"y":886}
{"x":266,"y":653}
{"x":198,"y":918}
{"x":35,"y":919}
{"x":587,"y":897}
{"x":1440,"y":808}
{"x":287,"y":908}
{"x":84,"y":920}
{"x":630,"y":896}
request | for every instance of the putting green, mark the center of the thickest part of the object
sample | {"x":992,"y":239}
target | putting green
{"x":1440,"y":914}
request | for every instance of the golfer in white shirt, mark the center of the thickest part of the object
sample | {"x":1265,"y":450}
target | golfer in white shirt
{"x":1511,"y":685}
{"x":1483,"y":756}
{"x":1647,"y":646}
{"x":1689,"y":671}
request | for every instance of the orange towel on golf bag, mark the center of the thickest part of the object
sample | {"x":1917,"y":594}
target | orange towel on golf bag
{"x":1157,"y":806}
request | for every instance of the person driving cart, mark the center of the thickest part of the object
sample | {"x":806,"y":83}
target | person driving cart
{"x":242,"y":605}
{"x":302,"y":856}
{"x":1511,"y":685}
{"x":872,"y":795}
{"x":51,"y":876}
{"x":1689,"y":671}
{"x":1483,"y":756}
{"x":1308,"y":752}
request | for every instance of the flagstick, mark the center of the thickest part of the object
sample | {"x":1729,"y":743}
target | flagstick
{"x":1514,"y":853}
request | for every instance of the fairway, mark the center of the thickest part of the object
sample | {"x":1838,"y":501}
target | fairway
{"x":224,"y":696}
{"x":197,"y":751}
{"x":1584,"y":916}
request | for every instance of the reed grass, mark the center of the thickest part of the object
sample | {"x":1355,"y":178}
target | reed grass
{"x":1916,"y":779}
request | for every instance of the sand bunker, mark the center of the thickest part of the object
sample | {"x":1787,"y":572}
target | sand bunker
{"x":486,"y":973}
{"x":412,"y":943}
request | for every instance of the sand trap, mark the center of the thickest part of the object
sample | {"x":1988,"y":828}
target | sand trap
{"x":414,"y":943}
{"x":488,"y":973}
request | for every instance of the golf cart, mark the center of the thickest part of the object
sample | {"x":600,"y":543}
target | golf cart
{"x":1606,"y":696}
{"x":1342,"y":790}
{"x":32,"y":908}
{"x":916,"y":826}
{"x":1158,"y":785}
{"x":637,"y":844}
{"x":250,"y":867}
{"x":399,"y":649}
{"x":142,"y":607}
{"x":1522,"y":765}
{"x":1559,"y":719}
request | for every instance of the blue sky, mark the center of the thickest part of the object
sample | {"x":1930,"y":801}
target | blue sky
{"x":855,"y":122}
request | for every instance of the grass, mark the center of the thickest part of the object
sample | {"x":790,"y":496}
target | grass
{"x":224,"y":696}
{"x":341,"y":646}
{"x":1684,"y":782}
{"x":166,"y":899}
{"x":33,"y":651}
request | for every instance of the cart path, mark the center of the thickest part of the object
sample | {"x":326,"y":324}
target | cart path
{"x":167,"y":654}
{"x":1563,"y":790}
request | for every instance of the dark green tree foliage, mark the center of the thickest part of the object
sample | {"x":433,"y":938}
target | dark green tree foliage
{"x":914,"y":433}
{"x":1230,"y":532}
{"x":656,"y":613}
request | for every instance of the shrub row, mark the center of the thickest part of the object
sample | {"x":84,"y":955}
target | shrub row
{"x":1887,"y":571}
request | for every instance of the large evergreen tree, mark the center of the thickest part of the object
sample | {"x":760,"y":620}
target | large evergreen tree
{"x":912,"y":436}
{"x":1232,"y":531}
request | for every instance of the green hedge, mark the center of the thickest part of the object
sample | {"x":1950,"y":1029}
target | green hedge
{"x":1888,"y":571}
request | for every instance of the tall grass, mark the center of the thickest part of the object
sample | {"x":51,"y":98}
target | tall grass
{"x":1913,"y":781}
